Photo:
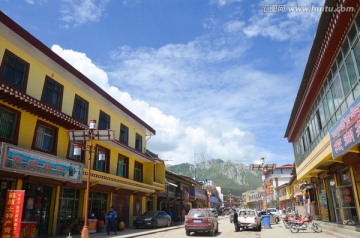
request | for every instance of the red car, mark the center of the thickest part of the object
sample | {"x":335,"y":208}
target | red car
{"x":201,"y":220}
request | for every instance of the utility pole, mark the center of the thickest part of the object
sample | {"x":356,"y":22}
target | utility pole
{"x":263,"y":167}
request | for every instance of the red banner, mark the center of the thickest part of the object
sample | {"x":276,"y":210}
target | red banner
{"x":12,"y":215}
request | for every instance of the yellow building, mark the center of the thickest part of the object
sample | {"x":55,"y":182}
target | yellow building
{"x":42,"y":97}
{"x":324,"y":123}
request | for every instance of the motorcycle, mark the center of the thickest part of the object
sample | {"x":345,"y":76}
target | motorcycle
{"x":289,"y":218}
{"x":303,"y":224}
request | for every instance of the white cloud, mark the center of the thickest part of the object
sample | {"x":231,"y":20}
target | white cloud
{"x":282,"y":25}
{"x":33,"y":2}
{"x":224,"y":2}
{"x":78,"y":12}
{"x":175,"y":139}
{"x":204,"y":94}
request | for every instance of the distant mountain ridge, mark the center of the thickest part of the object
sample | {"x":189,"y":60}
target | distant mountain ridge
{"x":234,"y":178}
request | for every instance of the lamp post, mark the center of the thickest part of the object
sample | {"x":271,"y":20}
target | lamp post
{"x":230,"y":201}
{"x":263,"y":167}
{"x":79,"y":137}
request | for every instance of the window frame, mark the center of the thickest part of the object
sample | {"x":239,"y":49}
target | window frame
{"x":121,"y":136}
{"x":17,"y":126}
{"x":138,"y":139}
{"x":96,"y":159}
{"x":82,"y":100}
{"x":26,"y":73}
{"x":126,"y":165}
{"x":55,"y":138}
{"x":60,"y":96}
{"x":70,"y":150}
{"x":141,"y":169}
{"x":104,"y":116}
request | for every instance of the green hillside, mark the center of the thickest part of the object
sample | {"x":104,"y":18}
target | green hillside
{"x":234,"y":178}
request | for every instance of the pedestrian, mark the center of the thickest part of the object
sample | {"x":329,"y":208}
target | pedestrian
{"x":111,"y":215}
{"x":235,"y":219}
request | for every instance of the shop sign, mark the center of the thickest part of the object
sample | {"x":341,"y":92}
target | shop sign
{"x":19,"y":160}
{"x":345,"y":133}
{"x":11,"y":223}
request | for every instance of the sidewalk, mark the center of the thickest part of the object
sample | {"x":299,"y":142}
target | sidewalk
{"x":340,"y":230}
{"x":126,"y":233}
{"x":278,"y":230}
{"x":131,"y":232}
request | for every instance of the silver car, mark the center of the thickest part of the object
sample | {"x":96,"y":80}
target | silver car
{"x":274,"y":215}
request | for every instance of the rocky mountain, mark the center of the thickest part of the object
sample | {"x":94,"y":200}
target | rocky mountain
{"x":234,"y":178}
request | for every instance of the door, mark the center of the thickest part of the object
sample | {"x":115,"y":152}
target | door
{"x":37,"y":206}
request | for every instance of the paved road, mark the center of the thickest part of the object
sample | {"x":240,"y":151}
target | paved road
{"x":226,"y":230}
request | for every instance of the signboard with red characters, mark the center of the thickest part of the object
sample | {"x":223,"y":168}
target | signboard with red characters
{"x":345,"y":133}
{"x":12,"y":215}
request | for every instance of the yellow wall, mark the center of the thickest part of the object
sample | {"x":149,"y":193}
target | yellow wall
{"x":37,"y":74}
{"x":38,"y":70}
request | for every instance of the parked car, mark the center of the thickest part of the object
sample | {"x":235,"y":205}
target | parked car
{"x":248,"y":218}
{"x":152,"y":219}
{"x":213,"y":210}
{"x":274,"y":215}
{"x":201,"y":220}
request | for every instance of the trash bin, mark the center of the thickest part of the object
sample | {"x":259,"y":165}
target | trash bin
{"x":266,"y":221}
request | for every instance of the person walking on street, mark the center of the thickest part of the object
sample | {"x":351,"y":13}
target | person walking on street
{"x":235,"y":219}
{"x":111,"y":215}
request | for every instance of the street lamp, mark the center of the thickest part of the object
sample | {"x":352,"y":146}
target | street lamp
{"x":79,"y":137}
{"x":263,"y":167}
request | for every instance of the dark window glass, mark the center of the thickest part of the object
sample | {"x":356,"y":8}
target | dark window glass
{"x":345,"y":80}
{"x":138,"y":172}
{"x":14,"y":71}
{"x":352,"y":34}
{"x":337,"y":92}
{"x":138,"y":142}
{"x":80,"y":111}
{"x":350,"y":67}
{"x":318,"y":120}
{"x":71,"y":153}
{"x":124,"y":134}
{"x":330,"y":102}
{"x":9,"y":121}
{"x":357,"y":55}
{"x":104,"y":121}
{"x":123,"y":166}
{"x":326,"y":110}
{"x":308,"y":136}
{"x":101,"y":165}
{"x":68,"y":211}
{"x":322,"y":115}
{"x":52,"y":94}
{"x":339,"y":58}
{"x":45,"y":138}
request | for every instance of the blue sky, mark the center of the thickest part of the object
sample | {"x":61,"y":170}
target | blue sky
{"x":212,"y":77}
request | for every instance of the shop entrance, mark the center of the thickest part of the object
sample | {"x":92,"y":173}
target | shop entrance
{"x":332,"y":199}
{"x":36,"y":206}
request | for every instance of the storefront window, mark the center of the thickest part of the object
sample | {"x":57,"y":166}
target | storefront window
{"x":345,"y":198}
{"x":37,"y":206}
{"x":68,"y":209}
{"x":98,"y":204}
